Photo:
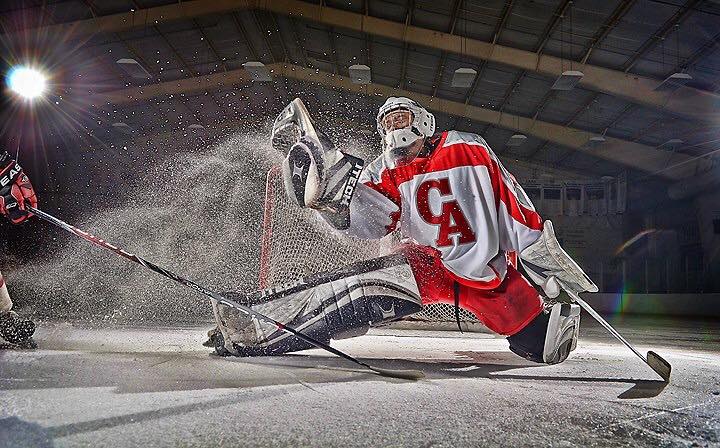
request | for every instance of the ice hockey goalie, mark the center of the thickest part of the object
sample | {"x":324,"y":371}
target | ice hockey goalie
{"x":465,"y":221}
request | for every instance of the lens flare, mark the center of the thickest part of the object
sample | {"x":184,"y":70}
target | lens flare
{"x":633,"y":240}
{"x":26,"y":82}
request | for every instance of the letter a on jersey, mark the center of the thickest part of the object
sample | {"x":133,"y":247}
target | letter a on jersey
{"x":451,"y":219}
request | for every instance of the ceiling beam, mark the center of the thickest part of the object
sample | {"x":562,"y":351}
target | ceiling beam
{"x":443,"y":57}
{"x":682,"y":13}
{"x":624,"y":152}
{"x":686,"y":101}
{"x":607,"y":27}
{"x":557,"y":18}
{"x":708,"y":47}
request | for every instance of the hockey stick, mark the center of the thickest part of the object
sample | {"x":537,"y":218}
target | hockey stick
{"x":653,"y":360}
{"x":404,"y":374}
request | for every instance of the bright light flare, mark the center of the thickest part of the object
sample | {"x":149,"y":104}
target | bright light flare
{"x":26,"y":82}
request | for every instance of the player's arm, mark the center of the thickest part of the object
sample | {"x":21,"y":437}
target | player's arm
{"x":16,"y":191}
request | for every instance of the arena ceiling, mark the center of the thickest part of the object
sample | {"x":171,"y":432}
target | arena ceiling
{"x":194,"y":53}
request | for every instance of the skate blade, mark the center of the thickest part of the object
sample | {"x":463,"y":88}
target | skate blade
{"x":659,"y":365}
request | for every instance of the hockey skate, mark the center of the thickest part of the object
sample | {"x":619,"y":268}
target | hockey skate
{"x":562,"y":332}
{"x":550,"y":337}
{"x":16,"y":332}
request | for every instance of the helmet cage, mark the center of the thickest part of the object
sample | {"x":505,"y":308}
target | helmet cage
{"x":397,"y":141}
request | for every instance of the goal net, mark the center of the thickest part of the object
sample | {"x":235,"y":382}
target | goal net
{"x":297,"y":242}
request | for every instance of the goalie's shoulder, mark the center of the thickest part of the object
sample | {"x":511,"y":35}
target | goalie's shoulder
{"x":464,"y":149}
{"x":465,"y":139}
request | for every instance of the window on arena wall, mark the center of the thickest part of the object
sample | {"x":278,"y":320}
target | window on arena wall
{"x":573,"y":201}
{"x":572,"y":194}
{"x":552,"y":193}
{"x":552,"y":201}
{"x":595,"y":203}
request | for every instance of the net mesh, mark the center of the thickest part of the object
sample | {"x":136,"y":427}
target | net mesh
{"x":297,"y":242}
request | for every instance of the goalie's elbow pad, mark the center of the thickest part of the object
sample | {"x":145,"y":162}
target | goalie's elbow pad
{"x":321,"y":178}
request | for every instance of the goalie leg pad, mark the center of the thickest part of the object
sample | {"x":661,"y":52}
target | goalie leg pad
{"x":347,"y":304}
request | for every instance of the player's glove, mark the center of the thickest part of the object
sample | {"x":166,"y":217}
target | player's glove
{"x":16,"y":191}
{"x":551,"y":268}
{"x":319,"y":176}
{"x":315,"y":174}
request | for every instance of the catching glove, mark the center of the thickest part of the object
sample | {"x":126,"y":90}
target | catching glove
{"x":315,"y":174}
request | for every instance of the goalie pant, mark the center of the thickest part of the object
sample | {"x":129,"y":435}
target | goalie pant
{"x":347,"y":302}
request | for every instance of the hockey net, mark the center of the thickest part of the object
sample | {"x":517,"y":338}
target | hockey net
{"x":297,"y":242}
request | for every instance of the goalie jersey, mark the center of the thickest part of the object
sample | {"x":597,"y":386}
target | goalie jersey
{"x":459,"y":200}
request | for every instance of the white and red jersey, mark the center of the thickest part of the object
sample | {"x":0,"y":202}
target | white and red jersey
{"x":459,"y":200}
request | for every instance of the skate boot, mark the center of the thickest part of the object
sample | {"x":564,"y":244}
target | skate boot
{"x":550,"y":337}
{"x":16,"y":331}
{"x":562,"y":332}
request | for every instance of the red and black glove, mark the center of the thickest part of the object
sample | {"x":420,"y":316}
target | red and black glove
{"x":16,"y":191}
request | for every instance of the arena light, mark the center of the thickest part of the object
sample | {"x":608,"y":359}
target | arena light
{"x":516,"y":140}
{"x":360,"y":74}
{"x":567,"y":80}
{"x":26,"y":82}
{"x":463,"y":78}
{"x":258,"y":71}
{"x":674,"y":82}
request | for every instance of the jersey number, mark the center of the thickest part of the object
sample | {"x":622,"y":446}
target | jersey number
{"x":451,"y":219}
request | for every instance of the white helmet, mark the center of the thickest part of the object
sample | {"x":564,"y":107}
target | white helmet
{"x":420,"y":124}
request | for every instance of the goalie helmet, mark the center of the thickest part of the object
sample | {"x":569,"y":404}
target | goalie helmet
{"x":400,"y":123}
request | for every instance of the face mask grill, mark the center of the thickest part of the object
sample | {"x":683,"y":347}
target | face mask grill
{"x":397,"y":119}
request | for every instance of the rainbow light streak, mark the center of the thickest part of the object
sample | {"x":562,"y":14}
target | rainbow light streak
{"x":621,"y":301}
{"x":633,"y":240}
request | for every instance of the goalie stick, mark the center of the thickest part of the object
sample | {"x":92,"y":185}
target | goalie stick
{"x":653,"y":360}
{"x":393,"y":373}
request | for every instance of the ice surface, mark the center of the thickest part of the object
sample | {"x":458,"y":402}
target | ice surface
{"x":157,"y":387}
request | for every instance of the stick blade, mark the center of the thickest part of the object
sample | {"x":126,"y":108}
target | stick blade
{"x":402,"y":374}
{"x":659,"y":365}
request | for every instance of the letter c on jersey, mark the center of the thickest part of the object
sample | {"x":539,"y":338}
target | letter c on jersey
{"x":451,"y":219}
